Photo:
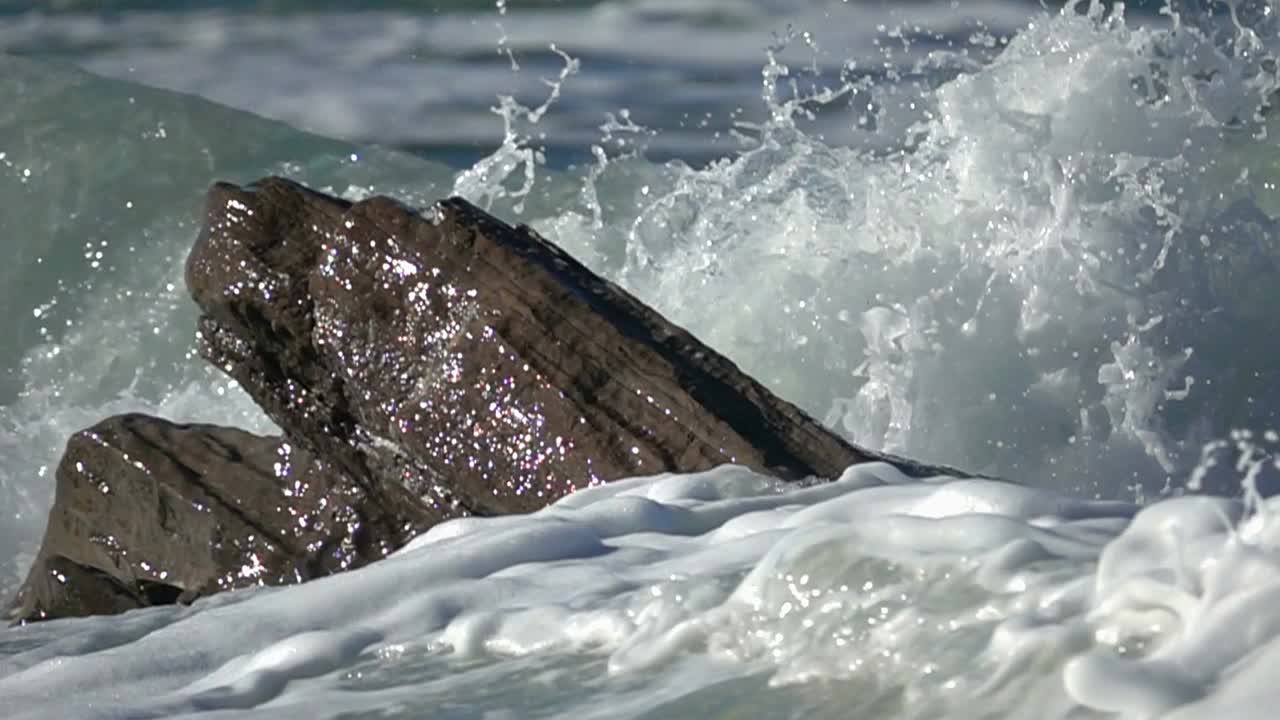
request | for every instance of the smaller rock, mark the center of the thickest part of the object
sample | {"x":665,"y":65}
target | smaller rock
{"x":149,"y":512}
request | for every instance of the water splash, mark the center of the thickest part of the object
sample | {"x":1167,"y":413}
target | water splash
{"x":1019,"y":287}
{"x":487,"y":181}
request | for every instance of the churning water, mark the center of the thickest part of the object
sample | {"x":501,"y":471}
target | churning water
{"x":1036,"y":245}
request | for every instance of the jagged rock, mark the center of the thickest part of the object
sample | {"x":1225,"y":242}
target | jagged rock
{"x":423,"y":367}
{"x":473,"y":362}
{"x":148,"y":512}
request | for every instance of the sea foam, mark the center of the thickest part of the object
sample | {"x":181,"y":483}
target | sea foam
{"x":870,"y":577}
{"x":875,"y":594}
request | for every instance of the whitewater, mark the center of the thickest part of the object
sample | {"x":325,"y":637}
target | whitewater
{"x":1040,"y":247}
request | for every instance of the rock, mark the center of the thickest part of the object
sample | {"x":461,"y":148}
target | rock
{"x":148,"y":512}
{"x":471,"y":362}
{"x":422,"y":367}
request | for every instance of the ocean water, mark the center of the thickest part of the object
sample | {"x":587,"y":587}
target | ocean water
{"x":1033,"y":243}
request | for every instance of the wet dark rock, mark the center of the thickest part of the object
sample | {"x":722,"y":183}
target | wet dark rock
{"x":149,"y":513}
{"x":471,"y":362}
{"x":422,"y":367}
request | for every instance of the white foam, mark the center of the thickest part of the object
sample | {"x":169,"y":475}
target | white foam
{"x":917,"y":596}
{"x":642,"y":574}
